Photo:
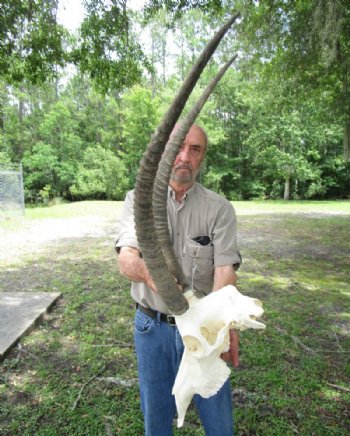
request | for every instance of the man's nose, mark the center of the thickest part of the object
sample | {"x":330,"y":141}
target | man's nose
{"x":184,"y":154}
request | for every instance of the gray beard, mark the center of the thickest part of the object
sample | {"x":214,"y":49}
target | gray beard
{"x":181,"y":179}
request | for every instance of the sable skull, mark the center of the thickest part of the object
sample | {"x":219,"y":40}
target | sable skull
{"x":204,"y":333}
{"x":204,"y":329}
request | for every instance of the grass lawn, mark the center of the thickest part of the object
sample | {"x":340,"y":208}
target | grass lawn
{"x":76,"y":374}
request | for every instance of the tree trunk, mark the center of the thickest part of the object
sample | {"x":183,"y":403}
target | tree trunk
{"x":286,"y":189}
{"x":21,"y":105}
{"x":57,"y":86}
{"x":296,"y":186}
{"x":347,"y":141}
{"x":2,"y":118}
{"x":3,"y":102}
{"x":164,"y":61}
{"x":18,"y":147}
{"x":153,"y":71}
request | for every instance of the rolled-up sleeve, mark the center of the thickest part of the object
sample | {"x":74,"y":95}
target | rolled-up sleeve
{"x":126,"y":233}
{"x":225,"y":238}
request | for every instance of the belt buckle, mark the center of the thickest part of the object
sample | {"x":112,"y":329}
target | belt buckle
{"x":171,"y":320}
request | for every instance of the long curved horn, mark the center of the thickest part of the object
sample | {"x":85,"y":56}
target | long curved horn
{"x":160,"y":189}
{"x":144,"y":222}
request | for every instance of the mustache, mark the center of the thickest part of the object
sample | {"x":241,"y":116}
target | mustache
{"x":183,"y":166}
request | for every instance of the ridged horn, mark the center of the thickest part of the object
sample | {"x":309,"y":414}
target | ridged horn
{"x":165,"y":281}
{"x":160,"y":189}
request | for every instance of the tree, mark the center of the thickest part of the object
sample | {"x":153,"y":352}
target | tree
{"x":139,"y":112}
{"x":101,"y":175}
{"x":306,"y":40}
{"x":40,"y":173}
{"x":274,"y":122}
{"x":33,"y":46}
{"x":4,"y":157}
{"x":107,"y":49}
{"x":96,"y":117}
{"x":59,"y":130}
{"x":178,"y":9}
{"x":31,"y":41}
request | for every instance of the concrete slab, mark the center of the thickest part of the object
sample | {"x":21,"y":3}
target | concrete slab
{"x":19,"y":311}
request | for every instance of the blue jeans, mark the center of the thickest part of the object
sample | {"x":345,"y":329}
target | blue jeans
{"x":159,"y":350}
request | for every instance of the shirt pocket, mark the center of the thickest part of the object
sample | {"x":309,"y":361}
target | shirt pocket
{"x":199,"y":265}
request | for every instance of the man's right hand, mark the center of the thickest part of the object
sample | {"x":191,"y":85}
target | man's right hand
{"x":133,"y":267}
{"x":150,"y":283}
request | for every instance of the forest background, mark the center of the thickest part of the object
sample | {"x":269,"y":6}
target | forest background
{"x":77,"y":109}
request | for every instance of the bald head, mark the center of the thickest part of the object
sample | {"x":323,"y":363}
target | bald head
{"x":195,"y":128}
{"x":201,"y":132}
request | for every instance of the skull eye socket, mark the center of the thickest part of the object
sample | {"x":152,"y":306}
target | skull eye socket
{"x":192,"y":344}
{"x":210,"y":332}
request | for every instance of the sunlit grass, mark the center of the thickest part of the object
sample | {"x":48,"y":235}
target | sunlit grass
{"x":291,"y":207}
{"x":75,"y":209}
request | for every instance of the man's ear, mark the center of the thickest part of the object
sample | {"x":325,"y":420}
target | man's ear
{"x":202,"y":170}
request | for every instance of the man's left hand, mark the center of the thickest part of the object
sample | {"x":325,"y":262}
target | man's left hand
{"x":232,"y":354}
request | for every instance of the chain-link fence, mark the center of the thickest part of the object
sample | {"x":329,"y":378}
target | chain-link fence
{"x":11,"y":189}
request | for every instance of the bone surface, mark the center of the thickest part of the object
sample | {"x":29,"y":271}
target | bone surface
{"x":204,"y":329}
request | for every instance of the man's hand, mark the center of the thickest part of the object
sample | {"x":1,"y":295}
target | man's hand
{"x":150,"y":283}
{"x":232,"y":354}
{"x":133,"y":267}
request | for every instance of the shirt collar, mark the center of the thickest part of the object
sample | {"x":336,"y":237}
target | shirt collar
{"x":171,"y":192}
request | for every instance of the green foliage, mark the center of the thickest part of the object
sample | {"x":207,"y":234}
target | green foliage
{"x":4,"y":157}
{"x":59,"y":130}
{"x":40,"y":172}
{"x":304,"y":42}
{"x":139,"y":112}
{"x":31,"y":41}
{"x":95,"y":118}
{"x":101,"y":175}
{"x":107,"y":49}
{"x":33,"y":45}
{"x":275,"y":122}
{"x":177,"y":9}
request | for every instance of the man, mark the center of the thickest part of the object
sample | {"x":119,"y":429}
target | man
{"x":202,"y":226}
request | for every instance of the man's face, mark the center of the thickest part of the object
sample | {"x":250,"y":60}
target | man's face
{"x":190,"y":157}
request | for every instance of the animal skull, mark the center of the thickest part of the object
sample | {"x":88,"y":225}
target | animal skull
{"x":204,"y":328}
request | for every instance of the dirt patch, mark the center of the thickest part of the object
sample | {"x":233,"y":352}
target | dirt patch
{"x":44,"y":234}
{"x":42,"y":237}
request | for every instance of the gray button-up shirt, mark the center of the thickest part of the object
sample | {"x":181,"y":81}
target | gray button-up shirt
{"x":201,"y":213}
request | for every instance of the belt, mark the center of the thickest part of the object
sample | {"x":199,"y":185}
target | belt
{"x":157,"y":315}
